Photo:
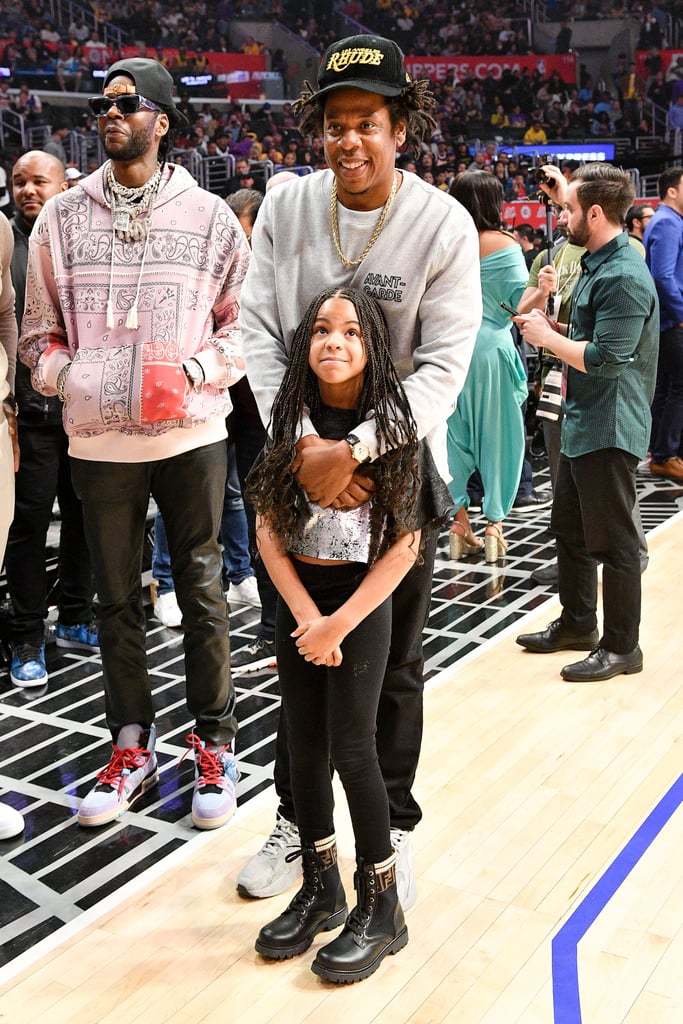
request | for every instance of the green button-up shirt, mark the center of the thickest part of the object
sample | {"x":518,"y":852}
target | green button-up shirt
{"x":614,"y":308}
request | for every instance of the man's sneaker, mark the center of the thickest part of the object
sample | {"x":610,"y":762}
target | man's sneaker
{"x":167,"y":610}
{"x":406,"y":887}
{"x":131,"y":771}
{"x":11,"y":822}
{"x":245,"y":592}
{"x":28,"y":665}
{"x":215,"y":775}
{"x":81,"y":637}
{"x":256,"y":655}
{"x":277,"y":865}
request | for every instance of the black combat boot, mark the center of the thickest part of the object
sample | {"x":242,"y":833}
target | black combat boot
{"x":319,"y":905}
{"x":374,"y":928}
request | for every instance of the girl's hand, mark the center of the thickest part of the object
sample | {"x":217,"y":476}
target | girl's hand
{"x":318,"y":641}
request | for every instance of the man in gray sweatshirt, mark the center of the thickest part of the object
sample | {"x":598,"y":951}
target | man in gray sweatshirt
{"x":364,"y":224}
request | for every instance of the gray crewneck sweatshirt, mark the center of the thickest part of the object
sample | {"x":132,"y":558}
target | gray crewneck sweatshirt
{"x":423,"y":269}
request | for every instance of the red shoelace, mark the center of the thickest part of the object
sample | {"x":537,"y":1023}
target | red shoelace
{"x":210,"y":763}
{"x":122,"y":763}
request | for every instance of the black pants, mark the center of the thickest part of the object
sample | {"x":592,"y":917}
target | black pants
{"x":667,"y":405}
{"x":400,"y":711}
{"x":189,"y":491}
{"x":592,"y":520}
{"x":45,"y":472}
{"x":331,"y":716}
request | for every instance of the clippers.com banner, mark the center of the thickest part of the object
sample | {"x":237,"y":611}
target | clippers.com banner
{"x":438,"y":68}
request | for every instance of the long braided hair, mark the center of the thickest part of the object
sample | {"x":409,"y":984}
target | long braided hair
{"x":271,"y":486}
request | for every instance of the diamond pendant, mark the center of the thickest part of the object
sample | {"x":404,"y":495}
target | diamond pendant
{"x":121,"y":220}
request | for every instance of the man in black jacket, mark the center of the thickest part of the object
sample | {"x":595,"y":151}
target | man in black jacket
{"x":44,"y":472}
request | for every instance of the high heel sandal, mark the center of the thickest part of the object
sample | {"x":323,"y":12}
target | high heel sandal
{"x":462,"y":542}
{"x":495,"y":545}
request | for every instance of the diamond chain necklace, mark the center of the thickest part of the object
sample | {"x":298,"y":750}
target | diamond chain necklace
{"x":378,"y":226}
{"x":131,"y":207}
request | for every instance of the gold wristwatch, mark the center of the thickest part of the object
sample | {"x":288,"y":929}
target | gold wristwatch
{"x":359,"y":449}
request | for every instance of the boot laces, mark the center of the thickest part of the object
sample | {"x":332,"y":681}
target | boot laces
{"x":311,"y":883}
{"x":359,"y":918}
{"x":122,"y":763}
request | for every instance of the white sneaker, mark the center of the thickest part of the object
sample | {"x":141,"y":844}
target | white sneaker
{"x":245,"y":592}
{"x":167,"y":610}
{"x":406,"y":886}
{"x":277,"y":865}
{"x":11,"y":822}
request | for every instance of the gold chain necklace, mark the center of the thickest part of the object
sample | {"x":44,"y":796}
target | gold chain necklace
{"x":375,"y":234}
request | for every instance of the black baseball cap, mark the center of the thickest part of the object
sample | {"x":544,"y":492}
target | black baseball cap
{"x":370,"y":63}
{"x":153,"y":81}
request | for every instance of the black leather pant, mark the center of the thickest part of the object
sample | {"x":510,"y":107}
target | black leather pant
{"x":189,"y":490}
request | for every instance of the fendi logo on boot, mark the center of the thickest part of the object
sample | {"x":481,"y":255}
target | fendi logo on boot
{"x":327,"y":851}
{"x":386,"y":878}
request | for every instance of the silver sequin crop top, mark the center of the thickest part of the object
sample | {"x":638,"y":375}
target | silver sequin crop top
{"x":335,"y":534}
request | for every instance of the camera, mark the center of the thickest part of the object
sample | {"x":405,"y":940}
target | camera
{"x":537,"y":176}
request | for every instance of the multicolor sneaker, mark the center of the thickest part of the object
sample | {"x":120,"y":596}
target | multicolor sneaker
{"x":81,"y":637}
{"x":131,"y":771}
{"x":28,"y":665}
{"x":215,"y":775}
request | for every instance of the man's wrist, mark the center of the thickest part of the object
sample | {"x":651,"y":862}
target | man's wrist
{"x":61,"y":381}
{"x":359,"y":449}
{"x":194,"y":371}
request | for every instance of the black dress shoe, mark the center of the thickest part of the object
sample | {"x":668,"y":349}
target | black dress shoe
{"x":546,"y":574}
{"x":558,"y":638}
{"x":602,"y":664}
{"x":534,"y":501}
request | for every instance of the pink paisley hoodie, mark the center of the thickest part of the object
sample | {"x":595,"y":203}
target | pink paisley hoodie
{"x":127,"y":398}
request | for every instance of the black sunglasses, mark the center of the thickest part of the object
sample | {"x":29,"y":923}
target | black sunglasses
{"x":126,"y":104}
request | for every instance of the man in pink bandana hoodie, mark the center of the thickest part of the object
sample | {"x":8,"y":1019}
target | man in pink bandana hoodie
{"x":131,"y":319}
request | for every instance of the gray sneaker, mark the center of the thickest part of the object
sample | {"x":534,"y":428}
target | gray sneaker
{"x":276,"y":866}
{"x":406,"y":887}
{"x":259,"y":654}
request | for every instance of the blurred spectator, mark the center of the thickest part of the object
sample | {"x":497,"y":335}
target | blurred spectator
{"x":536,"y":134}
{"x":563,"y":40}
{"x":524,"y":234}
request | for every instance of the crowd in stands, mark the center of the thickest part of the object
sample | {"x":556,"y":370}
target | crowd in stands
{"x":519,"y":107}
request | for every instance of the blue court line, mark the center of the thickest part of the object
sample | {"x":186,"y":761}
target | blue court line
{"x":566,"y":1001}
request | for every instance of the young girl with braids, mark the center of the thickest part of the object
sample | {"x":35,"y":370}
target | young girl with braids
{"x":334,"y":571}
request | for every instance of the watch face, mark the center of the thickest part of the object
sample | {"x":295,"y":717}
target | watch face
{"x":361,"y":452}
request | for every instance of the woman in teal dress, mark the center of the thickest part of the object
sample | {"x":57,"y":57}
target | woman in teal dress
{"x":486,"y":431}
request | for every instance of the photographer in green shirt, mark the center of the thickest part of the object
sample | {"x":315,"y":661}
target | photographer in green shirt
{"x":610,"y":349}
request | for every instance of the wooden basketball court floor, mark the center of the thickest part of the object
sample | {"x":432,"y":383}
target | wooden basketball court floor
{"x":550,"y":875}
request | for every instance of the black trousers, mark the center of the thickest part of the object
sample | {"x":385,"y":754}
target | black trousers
{"x":332,"y":713}
{"x":45,"y":472}
{"x":189,"y":491}
{"x":667,"y":404}
{"x":592,"y":520}
{"x":400,"y":710}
